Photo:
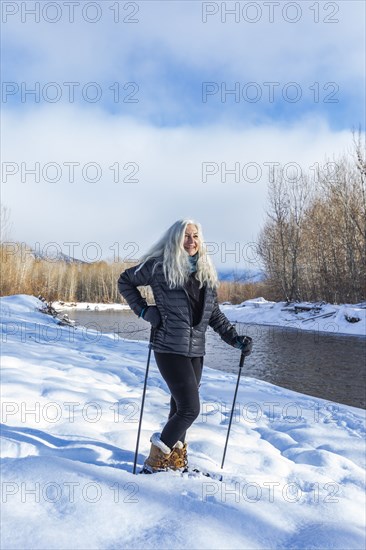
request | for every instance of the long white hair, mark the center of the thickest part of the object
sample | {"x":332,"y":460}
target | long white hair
{"x":169,"y":250}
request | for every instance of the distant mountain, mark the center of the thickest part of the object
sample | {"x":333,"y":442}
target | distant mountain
{"x":57,"y":257}
{"x":241,"y":275}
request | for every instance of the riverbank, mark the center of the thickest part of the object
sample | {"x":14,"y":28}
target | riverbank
{"x":347,"y":319}
{"x":344,"y":319}
{"x":294,"y":474}
{"x":89,"y":306}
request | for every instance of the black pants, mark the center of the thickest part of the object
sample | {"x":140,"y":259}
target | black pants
{"x":182,"y":375}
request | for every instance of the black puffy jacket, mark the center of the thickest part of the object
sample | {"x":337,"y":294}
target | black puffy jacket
{"x":175,"y":334}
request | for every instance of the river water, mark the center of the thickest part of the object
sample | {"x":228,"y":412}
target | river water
{"x":323,"y":365}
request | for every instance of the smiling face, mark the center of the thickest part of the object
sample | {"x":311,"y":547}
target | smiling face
{"x":191,"y":240}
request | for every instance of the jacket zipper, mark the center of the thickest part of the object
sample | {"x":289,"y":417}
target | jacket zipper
{"x":189,"y":306}
{"x":191,"y":317}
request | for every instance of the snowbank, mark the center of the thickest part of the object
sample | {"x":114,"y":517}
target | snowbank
{"x":294,"y":473}
{"x":86,"y":306}
{"x":336,"y":319}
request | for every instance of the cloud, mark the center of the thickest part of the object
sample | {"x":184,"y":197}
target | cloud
{"x":170,"y":51}
{"x":168,"y":164}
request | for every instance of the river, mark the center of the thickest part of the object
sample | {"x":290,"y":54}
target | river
{"x":328,"y":366}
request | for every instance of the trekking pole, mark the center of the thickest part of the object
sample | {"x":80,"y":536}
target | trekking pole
{"x":232,"y":410}
{"x":143,"y":399}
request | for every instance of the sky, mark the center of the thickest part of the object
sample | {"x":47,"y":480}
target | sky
{"x":118,"y":118}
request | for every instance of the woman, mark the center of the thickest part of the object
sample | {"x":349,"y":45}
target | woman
{"x":184,"y":281}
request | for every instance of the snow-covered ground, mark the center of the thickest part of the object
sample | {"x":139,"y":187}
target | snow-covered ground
{"x":294,"y":475}
{"x":337,"y":319}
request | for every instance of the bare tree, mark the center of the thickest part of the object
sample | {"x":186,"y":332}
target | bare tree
{"x":280,"y":243}
{"x":313,"y":243}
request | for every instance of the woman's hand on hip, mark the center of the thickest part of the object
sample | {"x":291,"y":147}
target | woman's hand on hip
{"x":152,"y":315}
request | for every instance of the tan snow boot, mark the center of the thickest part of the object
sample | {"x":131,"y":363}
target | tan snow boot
{"x":158,"y":459}
{"x":178,"y":459}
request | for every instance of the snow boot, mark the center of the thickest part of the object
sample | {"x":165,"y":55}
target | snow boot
{"x":158,"y":459}
{"x":178,"y":458}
